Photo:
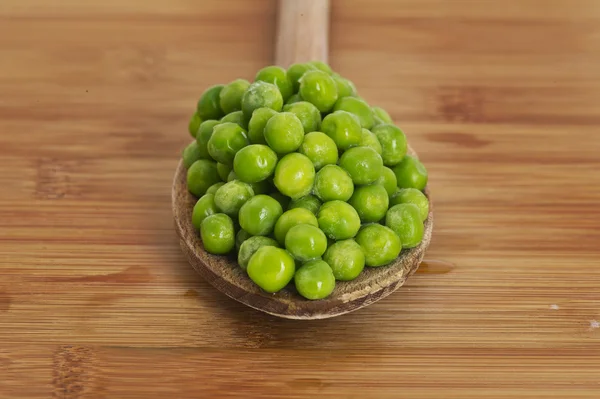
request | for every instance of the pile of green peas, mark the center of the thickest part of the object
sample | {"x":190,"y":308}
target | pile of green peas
{"x":302,"y":179}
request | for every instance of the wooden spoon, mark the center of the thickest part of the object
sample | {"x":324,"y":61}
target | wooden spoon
{"x":302,"y":36}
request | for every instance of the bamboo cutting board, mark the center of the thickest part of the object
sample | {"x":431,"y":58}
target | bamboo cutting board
{"x":500,"y":99}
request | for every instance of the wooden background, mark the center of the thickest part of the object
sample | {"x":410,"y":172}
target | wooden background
{"x":500,"y":99}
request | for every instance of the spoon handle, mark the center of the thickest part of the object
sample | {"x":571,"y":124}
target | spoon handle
{"x":302,"y":31}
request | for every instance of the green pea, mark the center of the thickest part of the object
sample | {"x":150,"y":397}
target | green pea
{"x":231,"y":176}
{"x":308,"y":114}
{"x":371,"y":202}
{"x":405,"y":220}
{"x":254,"y":163}
{"x":295,"y":72}
{"x":262,"y":187}
{"x":412,"y":196}
{"x":194,"y":124}
{"x":343,"y":128}
{"x":320,"y":149}
{"x":200,"y":176}
{"x":379,"y":244}
{"x":294,"y":99}
{"x":250,"y":246}
{"x":235,"y":117}
{"x":190,"y":154}
{"x":241,"y":236}
{"x":345,"y":87}
{"x":217,"y":234}
{"x":294,"y":175}
{"x":230,"y":98}
{"x":203,"y":135}
{"x":363,"y":164}
{"x":309,"y":202}
{"x":277,"y":76}
{"x":338,"y":220}
{"x":224,"y":170}
{"x":318,"y":88}
{"x":282,"y":199}
{"x":256,"y":126}
{"x":271,"y":268}
{"x":321,"y":66}
{"x":393,"y":143}
{"x":382,"y":115}
{"x":368,"y":139}
{"x":305,"y":242}
{"x":213,"y":189}
{"x":230,"y":197}
{"x":346,"y":259}
{"x":261,"y":95}
{"x":333,"y":183}
{"x":259,"y":214}
{"x":357,"y":107}
{"x":411,"y":173}
{"x":314,"y":280}
{"x":227,"y":139}
{"x":284,"y":133}
{"x":204,"y":207}
{"x":388,"y":180}
{"x":292,"y":218}
{"x":208,"y":105}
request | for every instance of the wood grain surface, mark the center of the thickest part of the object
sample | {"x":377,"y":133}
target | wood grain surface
{"x":500,"y":99}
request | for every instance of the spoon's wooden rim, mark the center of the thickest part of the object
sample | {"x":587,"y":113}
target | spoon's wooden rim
{"x":223,"y":273}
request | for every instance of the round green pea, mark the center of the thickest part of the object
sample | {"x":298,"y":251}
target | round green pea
{"x":282,"y":199}
{"x":310,"y":202}
{"x":321,"y":66}
{"x":363,"y":164}
{"x":343,"y":128}
{"x":194,"y":124}
{"x":411,"y":173}
{"x":277,"y":76}
{"x":318,"y":88}
{"x":190,"y":154}
{"x":308,"y":114}
{"x":208,"y":105}
{"x":294,"y":175}
{"x":254,"y":163}
{"x":241,"y":236}
{"x":271,"y":268}
{"x":371,"y":202}
{"x":261,"y":95}
{"x":227,"y":139}
{"x":405,"y":220}
{"x":333,"y":183}
{"x":284,"y":133}
{"x":412,"y":196}
{"x":217,"y":234}
{"x":235,"y":117}
{"x":338,"y":220}
{"x":231,"y":176}
{"x":250,"y":246}
{"x":256,"y":126}
{"x":393,"y":143}
{"x":305,"y":242}
{"x":356,"y":107}
{"x":345,"y":87}
{"x":346,"y":259}
{"x":320,"y":149}
{"x":259,"y":214}
{"x":230,"y":98}
{"x":368,"y":139}
{"x":294,"y":99}
{"x":381,"y":115}
{"x":388,"y":181}
{"x":295,"y":72}
{"x":204,"y":207}
{"x":203,"y":135}
{"x":379,"y":244}
{"x":230,"y":197}
{"x":213,"y":189}
{"x":200,"y":176}
{"x":224,"y":170}
{"x":314,"y":280}
{"x":292,"y":218}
